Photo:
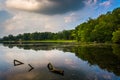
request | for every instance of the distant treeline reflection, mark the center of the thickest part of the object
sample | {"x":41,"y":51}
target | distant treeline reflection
{"x":44,"y":46}
{"x":106,"y":57}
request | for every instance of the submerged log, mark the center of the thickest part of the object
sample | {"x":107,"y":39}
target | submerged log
{"x":55,"y":70}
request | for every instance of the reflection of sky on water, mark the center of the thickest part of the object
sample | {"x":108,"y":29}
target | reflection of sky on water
{"x":74,"y":67}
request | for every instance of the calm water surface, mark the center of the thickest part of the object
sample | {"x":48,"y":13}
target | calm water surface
{"x":78,"y":63}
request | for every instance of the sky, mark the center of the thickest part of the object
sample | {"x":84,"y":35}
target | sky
{"x":27,"y":16}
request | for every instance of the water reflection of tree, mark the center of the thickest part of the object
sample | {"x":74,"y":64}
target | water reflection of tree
{"x":106,"y":57}
{"x":116,"y":49}
{"x":66,"y":47}
{"x":101,"y":56}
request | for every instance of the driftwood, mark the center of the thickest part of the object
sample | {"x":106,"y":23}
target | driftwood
{"x":17,"y":63}
{"x":55,"y":70}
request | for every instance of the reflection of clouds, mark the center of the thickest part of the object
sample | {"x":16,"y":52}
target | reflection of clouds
{"x":69,"y":61}
{"x":105,"y":75}
{"x":21,"y":76}
{"x":108,"y":77}
{"x":100,"y":75}
{"x":53,"y":54}
{"x":60,"y":58}
{"x":25,"y":56}
{"x":39,"y":60}
{"x":14,"y":55}
{"x":91,"y":76}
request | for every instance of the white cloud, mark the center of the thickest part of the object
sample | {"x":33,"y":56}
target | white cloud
{"x":81,"y":15}
{"x":70,"y":18}
{"x":91,"y":2}
{"x":23,"y":4}
{"x":23,"y":22}
{"x":105,"y":3}
{"x":29,"y":5}
{"x":73,"y":17}
{"x":95,"y":1}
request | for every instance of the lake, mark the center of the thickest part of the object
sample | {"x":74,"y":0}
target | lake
{"x":78,"y":62}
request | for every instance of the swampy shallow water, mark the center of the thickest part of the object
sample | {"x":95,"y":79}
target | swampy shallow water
{"x":78,"y":62}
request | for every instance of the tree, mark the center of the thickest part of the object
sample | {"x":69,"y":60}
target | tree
{"x":26,"y":36}
{"x":11,"y":37}
{"x":116,"y":36}
{"x":99,"y":29}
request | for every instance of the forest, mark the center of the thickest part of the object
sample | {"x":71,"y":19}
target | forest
{"x":63,"y":35}
{"x":105,"y":28}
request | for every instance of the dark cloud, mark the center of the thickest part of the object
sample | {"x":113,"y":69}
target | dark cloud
{"x":49,"y":7}
{"x":63,"y":6}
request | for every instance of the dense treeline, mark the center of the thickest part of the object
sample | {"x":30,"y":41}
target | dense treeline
{"x":106,"y":28}
{"x":63,"y":35}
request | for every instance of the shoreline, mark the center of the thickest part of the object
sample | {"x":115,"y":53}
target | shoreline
{"x":52,"y":42}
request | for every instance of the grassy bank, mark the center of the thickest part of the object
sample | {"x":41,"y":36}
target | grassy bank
{"x":51,"y":41}
{"x":41,"y":41}
{"x":74,"y":42}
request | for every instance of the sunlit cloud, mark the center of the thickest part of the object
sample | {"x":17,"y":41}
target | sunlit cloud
{"x":49,"y":7}
{"x":31,"y":5}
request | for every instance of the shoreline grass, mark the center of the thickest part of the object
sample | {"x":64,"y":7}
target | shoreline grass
{"x":56,"y":41}
{"x":42,"y":41}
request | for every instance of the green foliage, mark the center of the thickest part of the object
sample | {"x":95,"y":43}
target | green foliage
{"x":63,"y":35}
{"x":116,"y":36}
{"x":100,"y":29}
